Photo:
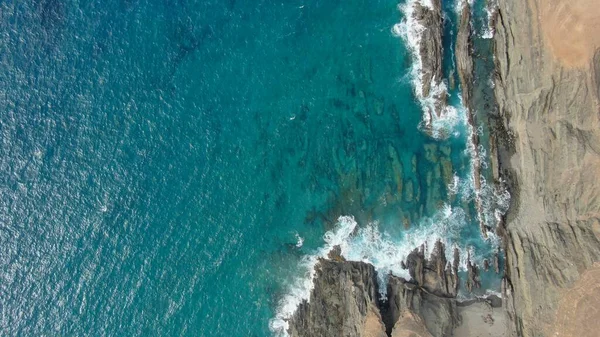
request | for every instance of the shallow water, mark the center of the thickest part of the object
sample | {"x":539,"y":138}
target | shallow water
{"x":162,"y":160}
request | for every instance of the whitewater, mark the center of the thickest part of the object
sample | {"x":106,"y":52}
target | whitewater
{"x":367,"y":243}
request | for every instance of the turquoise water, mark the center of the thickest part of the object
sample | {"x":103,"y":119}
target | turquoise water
{"x":161,"y":159}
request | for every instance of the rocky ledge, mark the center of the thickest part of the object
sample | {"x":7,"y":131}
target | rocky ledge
{"x":346,"y":300}
{"x":430,"y":53}
{"x":464,"y":67}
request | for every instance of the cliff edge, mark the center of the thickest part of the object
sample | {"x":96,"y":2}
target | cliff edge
{"x":346,"y":301}
{"x":547,"y":88}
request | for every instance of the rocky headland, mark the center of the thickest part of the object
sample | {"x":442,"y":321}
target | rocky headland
{"x":545,"y":145}
{"x":346,"y":300}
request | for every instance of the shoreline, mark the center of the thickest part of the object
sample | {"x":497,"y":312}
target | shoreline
{"x":345,"y":301}
{"x":544,"y":138}
{"x":438,"y":292}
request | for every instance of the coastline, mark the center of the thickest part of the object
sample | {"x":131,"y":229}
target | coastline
{"x":345,"y":301}
{"x":547,"y":131}
{"x":545,"y":147}
{"x":423,"y":293}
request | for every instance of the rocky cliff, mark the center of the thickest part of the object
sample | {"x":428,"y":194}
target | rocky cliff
{"x":345,"y":301}
{"x":429,"y":296}
{"x":548,"y":128}
{"x":546,"y":136}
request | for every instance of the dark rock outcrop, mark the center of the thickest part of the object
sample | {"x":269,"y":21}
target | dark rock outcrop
{"x":497,"y":262}
{"x":431,"y":56}
{"x":463,"y":55}
{"x":345,"y":299}
{"x":438,"y":313}
{"x":430,"y":294}
{"x":464,"y":65}
{"x":342,"y":303}
{"x":435,"y":275}
{"x":473,"y":280}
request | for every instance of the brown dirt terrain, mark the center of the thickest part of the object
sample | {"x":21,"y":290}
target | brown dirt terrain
{"x":578,"y":313}
{"x":481,"y":320}
{"x":373,"y":326}
{"x":571,"y":28}
{"x":410,"y":325}
{"x":548,"y":92}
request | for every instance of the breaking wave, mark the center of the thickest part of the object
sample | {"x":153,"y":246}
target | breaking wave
{"x":367,"y":243}
{"x":411,"y":31}
{"x":370,"y":245}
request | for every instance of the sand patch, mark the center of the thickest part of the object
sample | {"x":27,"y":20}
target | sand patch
{"x":481,"y":320}
{"x":410,"y":325}
{"x":373,"y":325}
{"x":571,"y":29}
{"x":578,"y":312}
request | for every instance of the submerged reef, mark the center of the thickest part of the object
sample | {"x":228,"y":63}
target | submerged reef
{"x":541,"y":125}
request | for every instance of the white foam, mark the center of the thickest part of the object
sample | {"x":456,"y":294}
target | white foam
{"x":494,"y":199}
{"x":453,"y":187}
{"x":495,"y":202}
{"x":386,"y":254}
{"x":299,"y":240}
{"x":458,"y":6}
{"x":491,"y":82}
{"x":489,"y":31}
{"x":411,"y":31}
{"x":370,"y":245}
{"x":427,"y":3}
{"x":299,"y":291}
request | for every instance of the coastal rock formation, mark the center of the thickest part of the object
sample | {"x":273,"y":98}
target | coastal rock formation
{"x":464,"y":67}
{"x":549,"y":151}
{"x":426,"y":21}
{"x":342,"y":303}
{"x":430,"y":49}
{"x":410,"y":325}
{"x":345,"y":299}
{"x":435,"y":275}
{"x":463,"y":55}
{"x":438,"y":313}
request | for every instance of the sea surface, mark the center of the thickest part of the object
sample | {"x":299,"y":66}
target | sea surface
{"x":173,"y":167}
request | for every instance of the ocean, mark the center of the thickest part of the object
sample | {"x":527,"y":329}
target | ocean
{"x":175,"y":167}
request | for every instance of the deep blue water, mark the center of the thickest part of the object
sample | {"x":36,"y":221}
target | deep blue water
{"x":160,"y":158}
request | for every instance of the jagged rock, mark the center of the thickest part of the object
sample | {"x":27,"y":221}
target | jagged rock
{"x":434,"y":275}
{"x":464,"y":64}
{"x":415,"y":262}
{"x":431,"y":53}
{"x":486,"y":265}
{"x":336,"y":254}
{"x":344,"y":300}
{"x":455,"y":263}
{"x":342,"y":303}
{"x":463,"y":54}
{"x":410,"y":325}
{"x":430,"y":294}
{"x":473,"y":280}
{"x":497,"y":262}
{"x":438,"y":313}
